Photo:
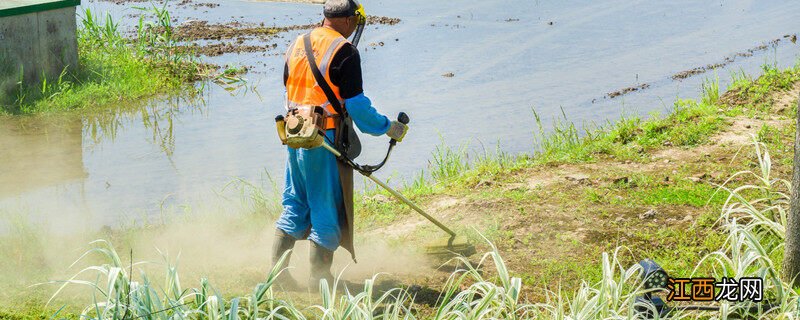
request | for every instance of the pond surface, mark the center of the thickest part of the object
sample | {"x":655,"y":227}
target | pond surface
{"x":468,"y":73}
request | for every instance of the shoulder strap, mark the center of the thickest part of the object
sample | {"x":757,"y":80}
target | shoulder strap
{"x":318,"y":76}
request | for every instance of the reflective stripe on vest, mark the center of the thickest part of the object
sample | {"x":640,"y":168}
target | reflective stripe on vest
{"x":301,"y":88}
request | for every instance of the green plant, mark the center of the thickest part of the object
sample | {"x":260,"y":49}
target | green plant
{"x":447,"y":163}
{"x":739,"y":79}
{"x":467,"y":293}
{"x":710,"y":94}
{"x":754,"y":217}
{"x":563,"y":143}
{"x":117,"y":296}
{"x":768,"y":212}
{"x":768,"y":134}
{"x":255,"y":198}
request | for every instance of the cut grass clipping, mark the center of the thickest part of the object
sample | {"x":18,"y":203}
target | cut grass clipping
{"x":112,"y":68}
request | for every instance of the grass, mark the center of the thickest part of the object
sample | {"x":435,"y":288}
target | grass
{"x":689,"y":124}
{"x":112,"y":69}
{"x":710,"y":95}
{"x":735,"y":230}
{"x":752,"y":227}
{"x":690,"y":194}
{"x":253,"y":196}
{"x":447,"y":163}
{"x":756,"y":92}
{"x":467,"y":294}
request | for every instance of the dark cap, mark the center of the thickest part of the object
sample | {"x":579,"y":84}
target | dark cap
{"x":340,"y":8}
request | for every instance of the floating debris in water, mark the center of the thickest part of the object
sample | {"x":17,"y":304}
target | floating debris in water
{"x":703,"y":69}
{"x":382,"y":20}
{"x":730,"y":59}
{"x":627,"y":90}
{"x":233,"y":36}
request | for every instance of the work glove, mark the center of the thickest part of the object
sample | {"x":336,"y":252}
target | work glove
{"x":397,"y":131}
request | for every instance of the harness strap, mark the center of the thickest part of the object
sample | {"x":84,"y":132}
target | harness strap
{"x":326,"y":88}
{"x":323,"y":65}
{"x":346,"y":140}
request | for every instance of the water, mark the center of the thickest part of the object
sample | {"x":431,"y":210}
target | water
{"x":505,"y":56}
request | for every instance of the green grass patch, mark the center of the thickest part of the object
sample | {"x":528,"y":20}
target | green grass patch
{"x":696,"y":195}
{"x":112,"y":69}
{"x":756,"y":92}
{"x":656,"y":193}
{"x":689,"y":123}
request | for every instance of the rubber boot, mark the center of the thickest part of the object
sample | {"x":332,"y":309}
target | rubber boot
{"x":283,"y":242}
{"x":321,"y":261}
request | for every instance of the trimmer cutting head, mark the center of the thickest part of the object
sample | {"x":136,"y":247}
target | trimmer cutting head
{"x":450,"y":247}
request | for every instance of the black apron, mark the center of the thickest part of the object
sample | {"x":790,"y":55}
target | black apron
{"x":346,"y":210}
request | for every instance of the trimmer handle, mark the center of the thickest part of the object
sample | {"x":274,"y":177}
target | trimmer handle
{"x":402,"y":117}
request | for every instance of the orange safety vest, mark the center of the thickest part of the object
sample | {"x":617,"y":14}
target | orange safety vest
{"x":301,"y":87}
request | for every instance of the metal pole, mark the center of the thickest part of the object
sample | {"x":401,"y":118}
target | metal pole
{"x":398,"y":196}
{"x":331,"y":149}
{"x":412,"y":205}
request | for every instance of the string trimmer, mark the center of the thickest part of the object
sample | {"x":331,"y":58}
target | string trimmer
{"x":301,"y":122}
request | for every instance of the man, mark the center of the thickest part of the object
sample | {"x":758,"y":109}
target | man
{"x":317,"y":198}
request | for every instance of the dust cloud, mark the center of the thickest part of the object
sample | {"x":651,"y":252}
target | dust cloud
{"x":224,"y":236}
{"x":231,"y":248}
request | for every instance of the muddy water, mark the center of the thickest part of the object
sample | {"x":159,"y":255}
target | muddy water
{"x":466,"y":72}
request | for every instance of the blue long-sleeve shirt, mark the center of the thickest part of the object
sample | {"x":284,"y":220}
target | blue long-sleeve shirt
{"x":366,"y":118}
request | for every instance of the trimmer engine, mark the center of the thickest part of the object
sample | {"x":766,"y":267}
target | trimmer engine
{"x":302,"y":127}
